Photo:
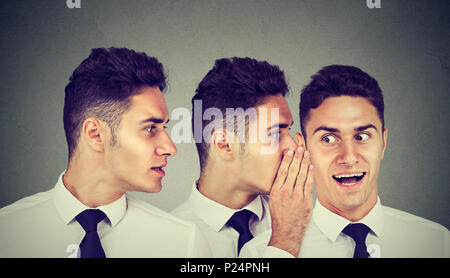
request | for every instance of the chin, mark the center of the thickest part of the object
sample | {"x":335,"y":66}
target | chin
{"x":352,"y":202}
{"x":261,"y":189}
{"x":156,"y":188}
{"x":150,"y":187}
{"x":266,"y":190}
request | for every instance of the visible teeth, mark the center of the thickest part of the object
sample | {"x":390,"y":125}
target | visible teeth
{"x":349,"y":175}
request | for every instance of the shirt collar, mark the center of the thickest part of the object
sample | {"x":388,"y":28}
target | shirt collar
{"x":332,"y":224}
{"x":375,"y":219}
{"x":68,"y":206}
{"x":216,"y":215}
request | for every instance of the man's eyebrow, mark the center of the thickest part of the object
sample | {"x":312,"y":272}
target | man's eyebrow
{"x":154,"y":120}
{"x":361,"y":128}
{"x":283,"y":125}
{"x":330,"y":129}
{"x":325,"y":128}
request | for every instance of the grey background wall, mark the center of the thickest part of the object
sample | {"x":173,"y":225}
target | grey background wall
{"x":404,"y":45}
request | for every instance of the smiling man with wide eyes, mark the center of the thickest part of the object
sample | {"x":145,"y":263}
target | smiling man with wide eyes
{"x":342,"y":124}
{"x":348,"y":150}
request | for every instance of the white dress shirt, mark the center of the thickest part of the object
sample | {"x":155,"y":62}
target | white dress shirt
{"x":44,"y":225}
{"x":211,"y":218}
{"x":394,"y":234}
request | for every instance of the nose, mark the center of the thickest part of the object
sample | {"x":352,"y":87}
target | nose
{"x":348,"y":155}
{"x":165,"y":145}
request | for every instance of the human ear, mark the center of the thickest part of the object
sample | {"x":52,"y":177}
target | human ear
{"x":300,"y":140}
{"x":385,"y":133}
{"x":94,"y":134}
{"x":222,"y":144}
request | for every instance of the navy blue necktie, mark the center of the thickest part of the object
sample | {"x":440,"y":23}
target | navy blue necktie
{"x":358,"y":232}
{"x":90,"y":246}
{"x":239,"y":222}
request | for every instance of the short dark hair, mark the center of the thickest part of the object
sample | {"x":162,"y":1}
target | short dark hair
{"x":236,"y":83}
{"x":339,"y":80}
{"x":101,"y":86}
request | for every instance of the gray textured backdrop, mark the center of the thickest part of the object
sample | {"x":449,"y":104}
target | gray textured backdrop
{"x":405,"y":45}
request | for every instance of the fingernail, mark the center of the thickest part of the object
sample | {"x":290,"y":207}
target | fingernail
{"x":290,"y":153}
{"x":299,"y":149}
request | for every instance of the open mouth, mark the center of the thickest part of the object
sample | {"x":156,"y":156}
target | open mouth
{"x":159,"y":170}
{"x":349,"y":179}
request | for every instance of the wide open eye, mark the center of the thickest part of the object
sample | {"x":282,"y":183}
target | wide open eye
{"x":329,"y":139}
{"x":362,"y":137}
